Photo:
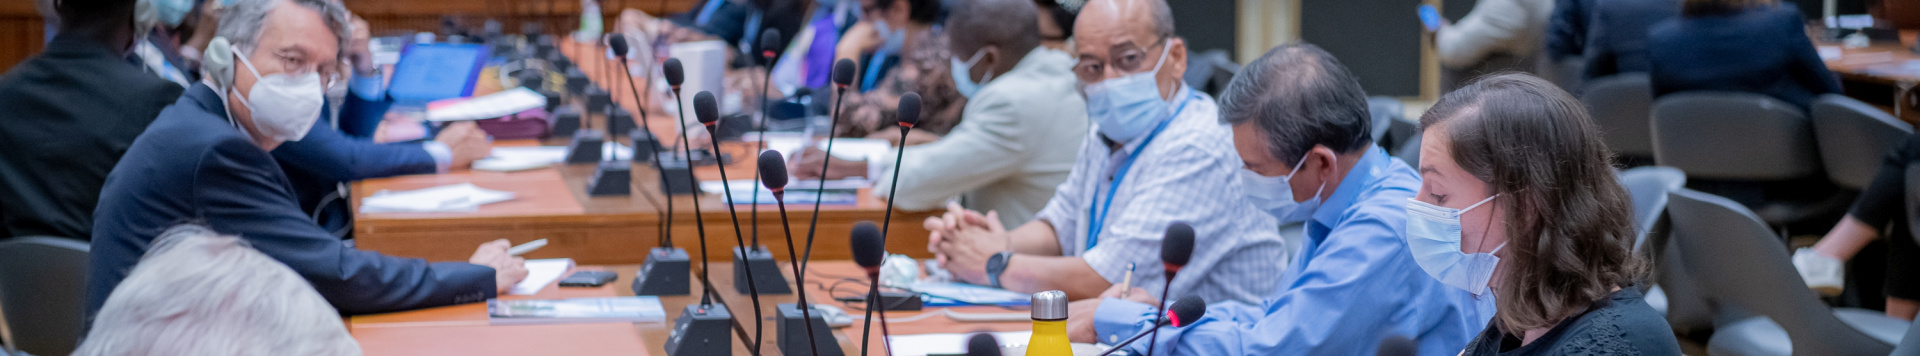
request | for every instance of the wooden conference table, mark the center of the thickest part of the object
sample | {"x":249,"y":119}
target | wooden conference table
{"x":1881,"y":74}
{"x":552,"y":203}
{"x":463,"y":329}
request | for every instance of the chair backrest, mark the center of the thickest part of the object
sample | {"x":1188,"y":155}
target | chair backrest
{"x":1385,"y":111}
{"x":1854,"y":136}
{"x":1910,"y":343}
{"x":43,"y":293}
{"x":1620,"y":105}
{"x":1913,"y":200}
{"x":1648,"y":186}
{"x":1733,"y":136}
{"x":1738,"y":260}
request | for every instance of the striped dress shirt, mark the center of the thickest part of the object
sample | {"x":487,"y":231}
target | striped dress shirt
{"x":1185,"y":174}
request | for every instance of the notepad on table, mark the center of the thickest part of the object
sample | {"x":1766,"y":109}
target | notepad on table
{"x":638,"y":309}
{"x":447,"y":198}
{"x":541,"y":273}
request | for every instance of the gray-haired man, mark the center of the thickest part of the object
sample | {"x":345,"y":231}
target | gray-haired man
{"x":205,"y":160}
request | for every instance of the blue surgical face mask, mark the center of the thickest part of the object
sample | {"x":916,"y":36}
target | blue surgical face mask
{"x":963,"y":77}
{"x":1275,"y":194}
{"x":1126,"y":107}
{"x":1433,"y":236}
{"x":891,"y":38}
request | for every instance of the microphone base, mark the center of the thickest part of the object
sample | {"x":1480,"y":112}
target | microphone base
{"x":646,"y":147}
{"x":566,"y":120}
{"x":701,"y":331}
{"x":586,"y":146}
{"x":791,"y":332}
{"x":598,"y":100}
{"x":664,"y":273}
{"x":613,"y":178}
{"x":705,"y":157}
{"x":675,"y":176}
{"x":766,"y":273}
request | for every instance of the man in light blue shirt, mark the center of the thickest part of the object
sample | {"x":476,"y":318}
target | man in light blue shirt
{"x":1300,"y":123}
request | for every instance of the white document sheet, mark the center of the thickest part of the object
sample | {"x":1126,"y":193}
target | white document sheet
{"x":447,"y":198}
{"x":540,"y":273}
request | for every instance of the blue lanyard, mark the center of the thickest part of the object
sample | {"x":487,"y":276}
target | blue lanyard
{"x":1096,"y":218}
{"x":873,"y":69}
{"x":753,"y":35}
{"x":706,"y":12}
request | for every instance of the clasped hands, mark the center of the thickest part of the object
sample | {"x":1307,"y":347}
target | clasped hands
{"x":961,"y":241}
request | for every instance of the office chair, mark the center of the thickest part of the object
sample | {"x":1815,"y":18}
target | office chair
{"x":1648,"y":186}
{"x":1745,"y":147}
{"x":1385,"y":111}
{"x":43,"y":293}
{"x":1742,"y":266}
{"x":1854,"y":137}
{"x":1620,"y":105}
{"x":1909,"y":344}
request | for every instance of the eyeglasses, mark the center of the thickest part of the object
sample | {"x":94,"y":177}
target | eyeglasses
{"x":297,"y":64}
{"x":1127,"y":61}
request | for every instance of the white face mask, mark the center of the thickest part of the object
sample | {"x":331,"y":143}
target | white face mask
{"x":1433,"y":236}
{"x":283,"y":106}
{"x":1275,"y":194}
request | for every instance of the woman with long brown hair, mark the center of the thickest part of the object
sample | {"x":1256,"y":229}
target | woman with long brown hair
{"x":1518,"y":203}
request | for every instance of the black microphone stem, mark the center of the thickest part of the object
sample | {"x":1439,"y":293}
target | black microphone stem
{"x":800,"y":280}
{"x":666,"y":230}
{"x":1163,"y":311}
{"x":759,"y":329}
{"x":761,"y":146}
{"x":832,"y":127}
{"x":893,"y":189}
{"x":699,"y":220}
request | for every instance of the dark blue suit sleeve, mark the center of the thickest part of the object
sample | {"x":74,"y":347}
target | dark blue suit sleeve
{"x":237,"y":190}
{"x":331,"y":155}
{"x":1807,"y":68}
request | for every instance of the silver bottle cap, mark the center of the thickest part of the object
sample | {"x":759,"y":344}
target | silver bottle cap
{"x":1050,"y":305}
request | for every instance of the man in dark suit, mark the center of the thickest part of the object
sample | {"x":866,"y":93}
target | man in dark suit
{"x":205,"y":160}
{"x":1617,"y":35}
{"x":69,"y":114}
{"x":1756,"y":47}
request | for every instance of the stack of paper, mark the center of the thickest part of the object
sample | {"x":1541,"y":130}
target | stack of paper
{"x":952,"y":344}
{"x":578,"y":310}
{"x":503,"y":103}
{"x":799,"y":192}
{"x":540,"y":273}
{"x":950,"y":293}
{"x":507,"y":159}
{"x":463,"y":197}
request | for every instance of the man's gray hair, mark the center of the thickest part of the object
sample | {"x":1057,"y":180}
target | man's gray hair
{"x":242,"y":22}
{"x":200,"y":293}
{"x":1298,"y":96}
{"x":1162,"y":18}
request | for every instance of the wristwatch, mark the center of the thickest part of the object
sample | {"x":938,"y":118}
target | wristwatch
{"x":997,"y":265}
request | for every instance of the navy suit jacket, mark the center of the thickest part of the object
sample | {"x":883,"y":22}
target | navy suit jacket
{"x":1617,"y":34}
{"x":192,"y":166}
{"x":325,"y":158}
{"x":1567,"y":29}
{"x":1761,"y":50}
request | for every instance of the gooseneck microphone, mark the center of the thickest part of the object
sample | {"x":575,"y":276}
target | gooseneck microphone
{"x":1176,"y":248}
{"x":769,"y":42}
{"x":909,"y":113}
{"x":676,"y":74}
{"x":707,"y":110}
{"x":773,"y":174}
{"x":869,"y":250}
{"x":619,"y":44}
{"x":983,"y":344}
{"x":843,"y":72}
{"x":1183,"y":312}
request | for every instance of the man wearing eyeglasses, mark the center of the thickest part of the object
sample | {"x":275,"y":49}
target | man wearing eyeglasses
{"x":204,"y":160}
{"x":1158,"y":154}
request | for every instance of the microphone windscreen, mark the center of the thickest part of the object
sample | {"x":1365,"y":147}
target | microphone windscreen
{"x":983,"y":344}
{"x":869,"y":248}
{"x":909,"y":110}
{"x":843,"y":72}
{"x":769,"y":42}
{"x":1177,"y":247}
{"x":773,"y":170}
{"x":705,"y":109}
{"x":1187,"y":310}
{"x":1398,"y":346}
{"x":619,"y":44}
{"x":674,"y":72}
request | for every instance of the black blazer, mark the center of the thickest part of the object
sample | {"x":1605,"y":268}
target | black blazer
{"x":193,"y":166}
{"x":1761,"y":50}
{"x":66,"y":116}
{"x":1617,"y":35}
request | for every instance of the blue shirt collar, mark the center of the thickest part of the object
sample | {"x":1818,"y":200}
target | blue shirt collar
{"x":1363,"y":175}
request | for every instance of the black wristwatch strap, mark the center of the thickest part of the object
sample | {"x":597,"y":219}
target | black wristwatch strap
{"x":996,"y":266}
